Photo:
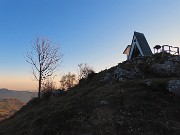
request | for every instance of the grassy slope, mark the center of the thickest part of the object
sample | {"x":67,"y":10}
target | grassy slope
{"x":131,"y":108}
{"x":127,"y":107}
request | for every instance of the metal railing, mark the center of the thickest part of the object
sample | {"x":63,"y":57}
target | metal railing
{"x":167,"y":48}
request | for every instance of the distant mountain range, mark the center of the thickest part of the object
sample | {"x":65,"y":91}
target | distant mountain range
{"x":23,"y":96}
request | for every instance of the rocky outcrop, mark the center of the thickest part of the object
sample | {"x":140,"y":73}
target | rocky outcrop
{"x":168,"y":69}
{"x":144,"y":67}
{"x":174,"y":86}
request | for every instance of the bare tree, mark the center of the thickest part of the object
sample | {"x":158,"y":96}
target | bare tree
{"x":84,"y":70}
{"x":67,"y":81}
{"x":45,"y":58}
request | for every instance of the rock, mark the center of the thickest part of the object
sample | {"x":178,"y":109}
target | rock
{"x":103,"y":103}
{"x":147,"y":82}
{"x":137,"y":69}
{"x":121,"y":79}
{"x":174,"y":86}
{"x":174,"y":59}
{"x":165,"y":69}
{"x":121,"y":74}
{"x":107,"y":77}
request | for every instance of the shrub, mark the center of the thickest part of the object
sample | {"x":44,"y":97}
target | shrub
{"x":46,"y":94}
{"x":84,"y":71}
{"x":68,"y":81}
{"x":49,"y":85}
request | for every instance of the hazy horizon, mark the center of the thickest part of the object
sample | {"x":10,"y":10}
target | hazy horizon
{"x":91,"y":31}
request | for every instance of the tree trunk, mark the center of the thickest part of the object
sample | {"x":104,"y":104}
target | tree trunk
{"x":39,"y":89}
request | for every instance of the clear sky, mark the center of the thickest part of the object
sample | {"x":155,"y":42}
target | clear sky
{"x":89,"y":31}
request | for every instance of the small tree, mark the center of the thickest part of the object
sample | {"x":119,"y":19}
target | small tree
{"x":48,"y":86}
{"x":84,"y":70}
{"x":67,"y":81}
{"x":45,"y":58}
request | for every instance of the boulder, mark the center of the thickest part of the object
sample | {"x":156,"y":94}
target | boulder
{"x":174,"y":86}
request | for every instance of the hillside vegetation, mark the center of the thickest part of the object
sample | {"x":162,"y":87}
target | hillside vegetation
{"x":8,"y":107}
{"x":137,"y":97}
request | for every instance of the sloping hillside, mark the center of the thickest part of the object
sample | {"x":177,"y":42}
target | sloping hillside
{"x":136,"y":97}
{"x":8,"y":107}
{"x":24,"y":96}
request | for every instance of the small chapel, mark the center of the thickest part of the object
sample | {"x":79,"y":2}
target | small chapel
{"x":139,"y":47}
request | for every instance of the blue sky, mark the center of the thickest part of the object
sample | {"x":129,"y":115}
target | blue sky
{"x":89,"y":31}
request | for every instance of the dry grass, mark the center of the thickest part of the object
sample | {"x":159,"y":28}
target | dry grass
{"x":8,"y":107}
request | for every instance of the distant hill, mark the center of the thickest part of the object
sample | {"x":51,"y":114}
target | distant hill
{"x":9,"y":106}
{"x":136,"y":97}
{"x":23,"y":96}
